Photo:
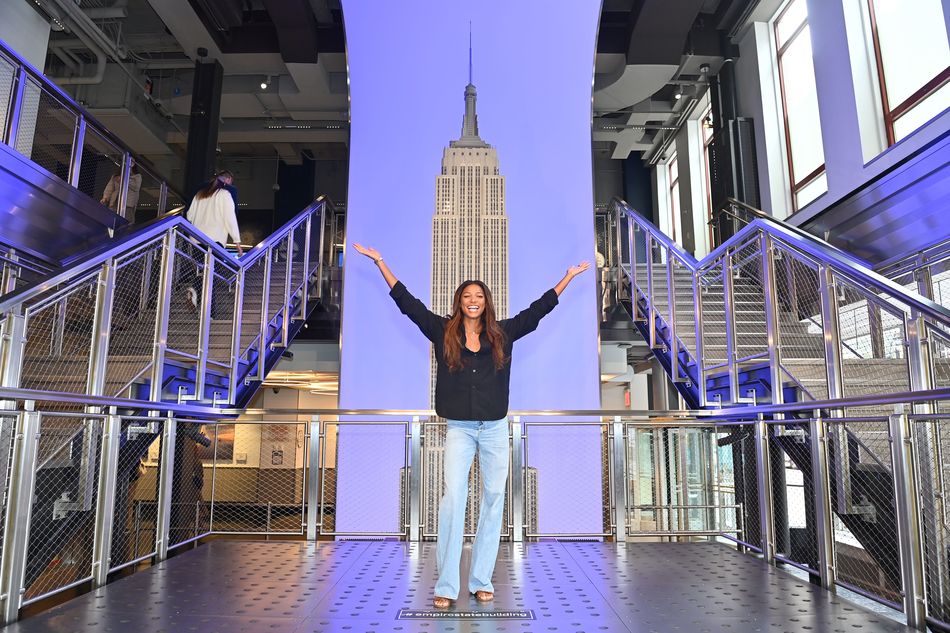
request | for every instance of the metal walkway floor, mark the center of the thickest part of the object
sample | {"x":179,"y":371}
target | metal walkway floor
{"x":360,"y":586}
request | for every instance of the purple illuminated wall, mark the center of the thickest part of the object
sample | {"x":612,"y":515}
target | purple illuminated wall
{"x":533,"y":68}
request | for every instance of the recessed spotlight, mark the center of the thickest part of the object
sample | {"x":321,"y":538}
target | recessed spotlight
{"x":266,"y":83}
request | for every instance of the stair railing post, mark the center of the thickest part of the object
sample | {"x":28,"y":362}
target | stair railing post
{"x":415,"y":479}
{"x":818,"y":438}
{"x":730,"y":318}
{"x":651,"y":311}
{"x":264,"y":346}
{"x":907,"y":507}
{"x":671,"y":326}
{"x":16,"y":107}
{"x":288,"y":291}
{"x":632,"y":228}
{"x":763,"y":473}
{"x":835,"y":381}
{"x":618,"y":469}
{"x":236,"y":324}
{"x":518,"y":481}
{"x":617,"y":262}
{"x":305,"y":272}
{"x":314,"y":478}
{"x":164,"y":501}
{"x":324,"y":251}
{"x":16,"y":533}
{"x":772,"y":317}
{"x":700,"y":350}
{"x":105,"y":507}
{"x":75,"y":156}
{"x":920,"y":358}
{"x":204,"y":324}
{"x":166,"y":280}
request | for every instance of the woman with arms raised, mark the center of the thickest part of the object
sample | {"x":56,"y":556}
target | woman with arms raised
{"x":473,"y":356}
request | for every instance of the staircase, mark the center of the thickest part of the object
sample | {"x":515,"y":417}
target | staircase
{"x":776,"y":316}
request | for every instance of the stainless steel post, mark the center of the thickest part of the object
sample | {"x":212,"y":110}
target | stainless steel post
{"x":651,"y":312}
{"x":314,"y":478}
{"x":415,"y":479}
{"x":305,"y":289}
{"x":288,"y":292}
{"x":237,"y":323}
{"x":102,"y":325}
{"x":163,"y":502}
{"x":12,"y":347}
{"x":818,"y":437}
{"x":730,"y":318}
{"x":105,"y":507}
{"x":632,"y":247}
{"x":700,"y":350}
{"x":772,"y":318}
{"x":166,"y":280}
{"x":162,"y":198}
{"x":264,"y":346}
{"x":204,"y":325}
{"x":519,"y":473}
{"x":122,"y":201}
{"x":835,"y":381}
{"x":618,"y":262}
{"x":75,"y":155}
{"x":16,"y":108}
{"x":671,"y":326}
{"x":16,"y":532}
{"x":324,"y":210}
{"x":763,"y":473}
{"x":907,"y":506}
{"x":618,"y":469}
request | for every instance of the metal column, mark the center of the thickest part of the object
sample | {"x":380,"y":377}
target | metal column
{"x":763,"y":475}
{"x":105,"y":508}
{"x":907,"y":506}
{"x":519,"y":473}
{"x":164,"y":499}
{"x":818,"y":436}
{"x":314,"y":478}
{"x":415,"y":479}
{"x":618,"y":470}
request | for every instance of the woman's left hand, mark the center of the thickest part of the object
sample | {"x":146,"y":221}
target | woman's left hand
{"x":574,"y":271}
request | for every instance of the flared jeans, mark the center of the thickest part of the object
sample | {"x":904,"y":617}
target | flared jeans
{"x":462,"y":439}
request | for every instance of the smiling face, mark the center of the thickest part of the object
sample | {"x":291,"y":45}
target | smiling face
{"x":472,"y":303}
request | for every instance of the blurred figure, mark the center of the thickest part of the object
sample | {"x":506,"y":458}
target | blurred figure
{"x":110,"y":197}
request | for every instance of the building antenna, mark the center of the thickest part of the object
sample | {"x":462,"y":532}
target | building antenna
{"x":469,"y":51}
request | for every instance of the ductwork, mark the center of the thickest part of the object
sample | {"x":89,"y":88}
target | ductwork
{"x":88,"y":33}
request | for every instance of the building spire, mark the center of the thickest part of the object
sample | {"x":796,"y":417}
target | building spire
{"x":470,"y":136}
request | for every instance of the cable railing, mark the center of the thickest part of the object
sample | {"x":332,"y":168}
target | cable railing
{"x":44,"y":124}
{"x":772,"y":302}
{"x":164,"y":313}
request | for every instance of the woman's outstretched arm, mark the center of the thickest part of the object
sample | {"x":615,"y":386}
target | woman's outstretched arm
{"x":572,"y":272}
{"x":373,"y":254}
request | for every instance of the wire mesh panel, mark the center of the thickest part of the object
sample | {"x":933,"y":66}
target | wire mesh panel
{"x":940,"y":359}
{"x":367,"y":492}
{"x":259,"y":478}
{"x":100,"y":170}
{"x":748,"y":300}
{"x":46,"y":130}
{"x":714,"y":317}
{"x":660,"y":299}
{"x":433,"y":486}
{"x":63,"y":512}
{"x":251,"y":310}
{"x":136,"y":490}
{"x":224,"y":285}
{"x":131,"y":338}
{"x":872,"y":346}
{"x":150,"y":191}
{"x":570,"y":490}
{"x":8,"y":71}
{"x":297,"y":274}
{"x":278,"y":280}
{"x":801,"y":338}
{"x":644,"y":478}
{"x":793,"y":495}
{"x":190,"y":515}
{"x":867,"y":555}
{"x":183,"y":321}
{"x":685,"y":308}
{"x":736,"y":481}
{"x":932,"y":445}
{"x":59,"y":334}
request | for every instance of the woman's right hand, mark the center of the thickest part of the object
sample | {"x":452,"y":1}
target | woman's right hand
{"x":372,"y":253}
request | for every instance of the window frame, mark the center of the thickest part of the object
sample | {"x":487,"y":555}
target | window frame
{"x":892,"y":114}
{"x":794,"y":186}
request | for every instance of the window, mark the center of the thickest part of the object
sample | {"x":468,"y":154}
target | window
{"x":796,"y":70}
{"x":913,"y":71}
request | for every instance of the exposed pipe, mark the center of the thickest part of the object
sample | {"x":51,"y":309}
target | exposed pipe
{"x":95,"y":78}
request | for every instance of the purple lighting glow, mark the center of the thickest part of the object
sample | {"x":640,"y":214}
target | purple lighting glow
{"x":533,"y":68}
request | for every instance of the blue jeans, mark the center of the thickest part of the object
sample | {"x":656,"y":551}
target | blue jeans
{"x":461,"y":440}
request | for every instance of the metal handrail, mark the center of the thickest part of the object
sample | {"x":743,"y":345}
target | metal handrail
{"x":24,"y":69}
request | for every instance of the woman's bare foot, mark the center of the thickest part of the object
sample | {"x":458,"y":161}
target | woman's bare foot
{"x":484,"y":596}
{"x":441,"y":603}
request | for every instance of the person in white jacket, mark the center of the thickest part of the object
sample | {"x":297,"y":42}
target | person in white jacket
{"x":110,"y":197}
{"x":212,"y":211}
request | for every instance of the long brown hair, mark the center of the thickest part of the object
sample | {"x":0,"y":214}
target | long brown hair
{"x":216,"y":184}
{"x":452,"y":342}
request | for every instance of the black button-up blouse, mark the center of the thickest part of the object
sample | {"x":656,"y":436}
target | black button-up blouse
{"x":477,"y":391}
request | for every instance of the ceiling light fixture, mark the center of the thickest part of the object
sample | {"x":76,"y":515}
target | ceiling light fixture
{"x":677,"y":94}
{"x":266,"y":83}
